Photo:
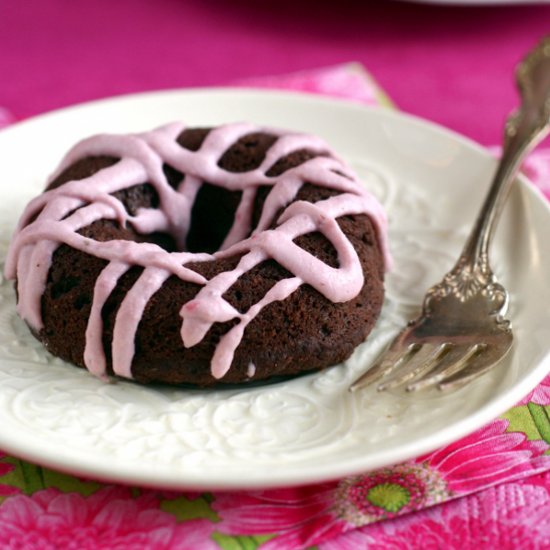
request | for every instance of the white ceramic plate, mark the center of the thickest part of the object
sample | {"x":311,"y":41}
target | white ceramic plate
{"x":305,"y":430}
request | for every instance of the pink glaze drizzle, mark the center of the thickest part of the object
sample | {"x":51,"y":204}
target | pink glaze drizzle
{"x":61,"y":212}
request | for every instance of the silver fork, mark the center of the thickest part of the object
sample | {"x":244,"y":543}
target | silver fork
{"x":461,"y":332}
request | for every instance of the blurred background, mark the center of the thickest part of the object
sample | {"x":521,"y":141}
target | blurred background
{"x":450,"y":64}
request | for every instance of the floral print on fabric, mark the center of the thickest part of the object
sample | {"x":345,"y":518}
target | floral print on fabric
{"x":507,"y":517}
{"x":109,"y":518}
{"x":5,"y":469}
{"x":306,"y":516}
{"x":541,"y":394}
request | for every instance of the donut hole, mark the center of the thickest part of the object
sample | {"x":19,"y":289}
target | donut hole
{"x":214,"y":208}
{"x":212,"y":217}
{"x":173,"y":177}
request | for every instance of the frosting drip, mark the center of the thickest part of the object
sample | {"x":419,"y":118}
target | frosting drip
{"x":56,"y":216}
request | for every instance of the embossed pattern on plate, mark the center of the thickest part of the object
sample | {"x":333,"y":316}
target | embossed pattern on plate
{"x":308,"y":429}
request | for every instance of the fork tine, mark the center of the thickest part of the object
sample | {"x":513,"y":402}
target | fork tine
{"x":478,"y":365}
{"x":450,"y":364}
{"x":422,"y":361}
{"x":386,"y":363}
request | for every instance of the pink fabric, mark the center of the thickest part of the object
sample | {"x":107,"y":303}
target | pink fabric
{"x":5,"y":117}
{"x":448,"y":64}
{"x":349,"y":81}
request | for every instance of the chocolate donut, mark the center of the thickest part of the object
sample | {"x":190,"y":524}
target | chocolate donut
{"x":201,"y":256}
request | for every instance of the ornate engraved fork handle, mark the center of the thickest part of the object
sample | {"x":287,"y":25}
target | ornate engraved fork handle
{"x":525,"y":128}
{"x":461,"y":332}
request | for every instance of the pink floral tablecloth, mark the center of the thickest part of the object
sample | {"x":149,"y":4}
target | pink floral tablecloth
{"x":489,"y":490}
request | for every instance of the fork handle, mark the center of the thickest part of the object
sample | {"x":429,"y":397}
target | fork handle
{"x":524,"y":129}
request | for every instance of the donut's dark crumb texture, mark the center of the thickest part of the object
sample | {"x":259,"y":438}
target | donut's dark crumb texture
{"x":303,"y":333}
